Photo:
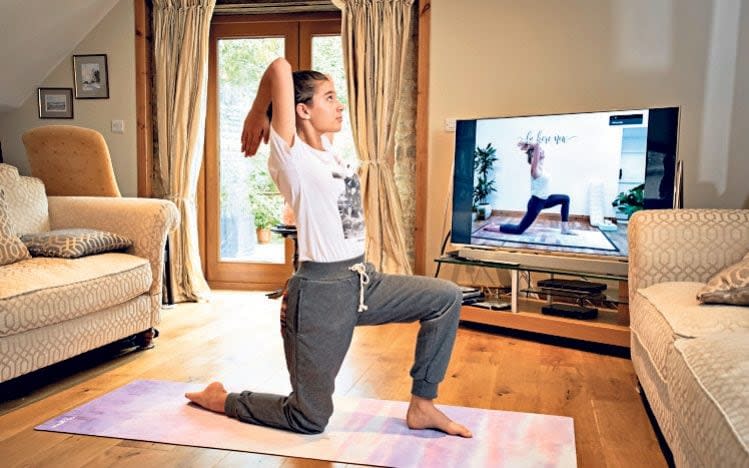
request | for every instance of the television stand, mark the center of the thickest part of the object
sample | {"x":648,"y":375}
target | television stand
{"x":609,"y":324}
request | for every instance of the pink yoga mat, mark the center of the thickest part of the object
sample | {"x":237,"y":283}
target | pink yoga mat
{"x":361,"y":431}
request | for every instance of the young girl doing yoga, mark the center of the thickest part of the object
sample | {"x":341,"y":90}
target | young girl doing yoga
{"x":334,"y":289}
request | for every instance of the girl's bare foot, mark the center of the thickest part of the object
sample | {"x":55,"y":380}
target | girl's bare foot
{"x":213,"y":397}
{"x":422,"y":414}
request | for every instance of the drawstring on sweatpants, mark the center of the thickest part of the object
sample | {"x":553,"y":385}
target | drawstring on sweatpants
{"x":361,"y":270}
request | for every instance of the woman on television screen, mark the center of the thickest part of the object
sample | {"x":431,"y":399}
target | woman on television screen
{"x":540,"y":197}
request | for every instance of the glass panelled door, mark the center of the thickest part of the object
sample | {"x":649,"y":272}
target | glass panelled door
{"x":327,"y":57}
{"x":249,"y":204}
{"x":242,"y":203}
{"x":322,"y":50}
{"x":241,"y":200}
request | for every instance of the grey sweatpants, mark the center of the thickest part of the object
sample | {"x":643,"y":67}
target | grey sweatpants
{"x":322,"y":311}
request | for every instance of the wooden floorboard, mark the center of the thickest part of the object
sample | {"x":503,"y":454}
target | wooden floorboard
{"x":235,"y":338}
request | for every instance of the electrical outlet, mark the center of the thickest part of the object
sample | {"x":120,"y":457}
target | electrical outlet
{"x":118,"y":126}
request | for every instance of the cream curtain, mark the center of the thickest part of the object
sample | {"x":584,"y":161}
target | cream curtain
{"x":375,"y":36}
{"x":181,"y":29}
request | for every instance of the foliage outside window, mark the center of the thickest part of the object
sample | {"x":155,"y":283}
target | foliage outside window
{"x":265,"y":203}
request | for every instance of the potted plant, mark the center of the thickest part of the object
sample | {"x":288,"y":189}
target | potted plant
{"x":262,"y":227}
{"x":266,"y":214}
{"x":483,"y":164}
{"x":630,"y":201}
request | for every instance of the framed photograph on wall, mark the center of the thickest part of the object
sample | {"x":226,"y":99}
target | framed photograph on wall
{"x":91,"y":76}
{"x":55,"y":103}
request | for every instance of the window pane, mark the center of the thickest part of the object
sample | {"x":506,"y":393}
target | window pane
{"x":327,"y":57}
{"x":248,"y":196}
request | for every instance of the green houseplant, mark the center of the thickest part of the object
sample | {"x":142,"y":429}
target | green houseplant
{"x":484,"y":186}
{"x":266,"y":212}
{"x":630,"y":201}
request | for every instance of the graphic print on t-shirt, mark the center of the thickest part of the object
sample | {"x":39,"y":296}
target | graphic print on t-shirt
{"x":349,"y":206}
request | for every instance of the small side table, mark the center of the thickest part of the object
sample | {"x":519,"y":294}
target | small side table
{"x":289,"y":231}
{"x":286,"y":231}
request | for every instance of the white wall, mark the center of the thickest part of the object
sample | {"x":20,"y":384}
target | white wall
{"x":503,"y":57}
{"x":114,"y":36}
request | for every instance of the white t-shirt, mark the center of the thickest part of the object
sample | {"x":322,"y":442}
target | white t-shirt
{"x":325,"y":195}
{"x":540,"y":185}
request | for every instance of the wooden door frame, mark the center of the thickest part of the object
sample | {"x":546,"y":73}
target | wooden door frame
{"x":422,"y":139}
{"x":235,"y":275}
{"x":144,"y":102}
{"x":143,"y":98}
{"x":308,"y":29}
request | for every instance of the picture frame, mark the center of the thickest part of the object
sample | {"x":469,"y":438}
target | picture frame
{"x":55,"y":103}
{"x":91,"y":76}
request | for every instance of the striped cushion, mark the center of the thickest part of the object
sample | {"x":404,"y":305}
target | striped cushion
{"x":11,"y":247}
{"x":73,"y":243}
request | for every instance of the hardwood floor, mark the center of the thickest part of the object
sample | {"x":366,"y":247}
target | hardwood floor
{"x":236,"y":339}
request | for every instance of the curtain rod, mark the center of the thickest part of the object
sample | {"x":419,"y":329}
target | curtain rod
{"x":266,"y":7}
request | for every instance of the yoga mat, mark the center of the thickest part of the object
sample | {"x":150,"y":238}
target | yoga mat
{"x":361,"y":431}
{"x":595,"y":240}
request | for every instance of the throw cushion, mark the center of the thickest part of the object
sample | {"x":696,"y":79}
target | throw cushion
{"x":27,"y":200}
{"x":74,"y":243}
{"x":11,"y":247}
{"x":728,"y":286}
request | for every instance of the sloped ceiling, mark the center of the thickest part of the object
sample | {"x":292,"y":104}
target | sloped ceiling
{"x":35,"y":36}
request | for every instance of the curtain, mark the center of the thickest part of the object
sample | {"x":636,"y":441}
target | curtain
{"x":181,"y":29}
{"x":375,"y":35}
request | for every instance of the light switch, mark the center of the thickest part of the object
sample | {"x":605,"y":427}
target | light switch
{"x":118,"y":126}
{"x":450,"y":125}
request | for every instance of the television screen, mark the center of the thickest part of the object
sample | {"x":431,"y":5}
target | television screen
{"x":565,"y":183}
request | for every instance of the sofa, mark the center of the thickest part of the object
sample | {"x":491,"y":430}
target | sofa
{"x":691,"y":359}
{"x":53,"y":308}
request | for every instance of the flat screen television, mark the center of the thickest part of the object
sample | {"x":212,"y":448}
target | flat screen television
{"x":568,"y":204}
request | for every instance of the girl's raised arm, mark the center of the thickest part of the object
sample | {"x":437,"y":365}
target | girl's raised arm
{"x":538,"y":155}
{"x":276,"y":87}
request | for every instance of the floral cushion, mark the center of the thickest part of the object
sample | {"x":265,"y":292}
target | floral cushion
{"x":74,"y":243}
{"x":11,"y":247}
{"x":728,"y":286}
